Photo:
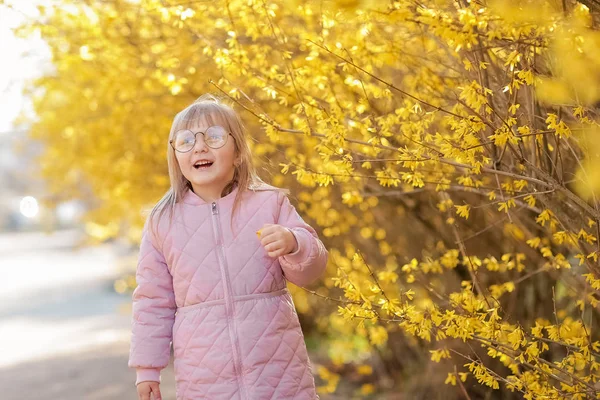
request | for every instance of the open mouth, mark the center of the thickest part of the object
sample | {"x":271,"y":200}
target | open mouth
{"x":203,"y":165}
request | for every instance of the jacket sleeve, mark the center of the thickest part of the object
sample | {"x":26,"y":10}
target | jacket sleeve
{"x":153,"y":313}
{"x":308,"y":262}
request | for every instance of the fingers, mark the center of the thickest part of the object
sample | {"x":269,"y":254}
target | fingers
{"x":147,"y":389}
{"x":271,"y":232}
{"x":276,"y":249}
{"x":265,"y":240}
{"x":276,"y":254}
{"x":268,"y":239}
{"x":143,"y":389}
{"x":156,"y":391}
{"x":267,"y":229}
{"x":275,"y":240}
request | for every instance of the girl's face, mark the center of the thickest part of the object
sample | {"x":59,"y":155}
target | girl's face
{"x":208,"y":181}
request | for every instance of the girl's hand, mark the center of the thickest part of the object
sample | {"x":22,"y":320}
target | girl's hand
{"x":277,"y":240}
{"x":144,"y":390}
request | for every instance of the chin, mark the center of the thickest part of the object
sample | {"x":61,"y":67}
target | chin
{"x":203,"y":182}
{"x":208,"y":180}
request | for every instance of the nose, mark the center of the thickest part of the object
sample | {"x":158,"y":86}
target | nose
{"x":200,"y":145}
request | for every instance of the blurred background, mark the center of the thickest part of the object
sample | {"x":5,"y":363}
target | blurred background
{"x":64,"y":322}
{"x":445,"y":151}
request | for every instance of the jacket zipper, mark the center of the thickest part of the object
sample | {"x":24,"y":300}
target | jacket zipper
{"x":228,"y":302}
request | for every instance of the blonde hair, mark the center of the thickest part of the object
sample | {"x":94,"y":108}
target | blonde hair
{"x":211,"y":109}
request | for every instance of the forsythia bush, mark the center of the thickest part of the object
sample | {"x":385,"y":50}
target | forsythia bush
{"x":447,"y":150}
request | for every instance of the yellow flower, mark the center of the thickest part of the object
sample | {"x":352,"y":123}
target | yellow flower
{"x":367,"y":388}
{"x":364,"y":370}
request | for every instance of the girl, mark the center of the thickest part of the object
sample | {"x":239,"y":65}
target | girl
{"x":215,"y":256}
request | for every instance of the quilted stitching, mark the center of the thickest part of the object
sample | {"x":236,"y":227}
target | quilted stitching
{"x":281,"y":342}
{"x":270,"y":275}
{"x":302,"y":268}
{"x":248,"y":219}
{"x":290,"y":349}
{"x":198,"y":267}
{"x":275,"y":364}
{"x":250,"y":259}
{"x":195,"y":362}
{"x":154,"y":286}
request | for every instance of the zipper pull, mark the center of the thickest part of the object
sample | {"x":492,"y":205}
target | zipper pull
{"x":214,"y":208}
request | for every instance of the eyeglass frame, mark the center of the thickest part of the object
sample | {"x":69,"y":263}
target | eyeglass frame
{"x":196,"y":134}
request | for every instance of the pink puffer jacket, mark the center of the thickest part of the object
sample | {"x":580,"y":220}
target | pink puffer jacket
{"x":223,"y":302}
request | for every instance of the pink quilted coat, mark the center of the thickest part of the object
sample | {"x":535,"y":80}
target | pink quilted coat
{"x":223,"y":302}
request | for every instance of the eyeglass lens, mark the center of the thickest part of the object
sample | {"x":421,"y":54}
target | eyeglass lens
{"x":214,"y":137}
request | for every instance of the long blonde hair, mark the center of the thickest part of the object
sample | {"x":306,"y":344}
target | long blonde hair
{"x":211,"y":109}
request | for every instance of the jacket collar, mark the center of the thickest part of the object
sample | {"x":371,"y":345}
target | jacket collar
{"x":193,"y":199}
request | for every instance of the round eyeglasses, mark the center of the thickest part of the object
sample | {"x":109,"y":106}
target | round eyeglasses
{"x":184,"y":140}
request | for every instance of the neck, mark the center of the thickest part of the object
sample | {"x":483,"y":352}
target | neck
{"x":210,"y":193}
